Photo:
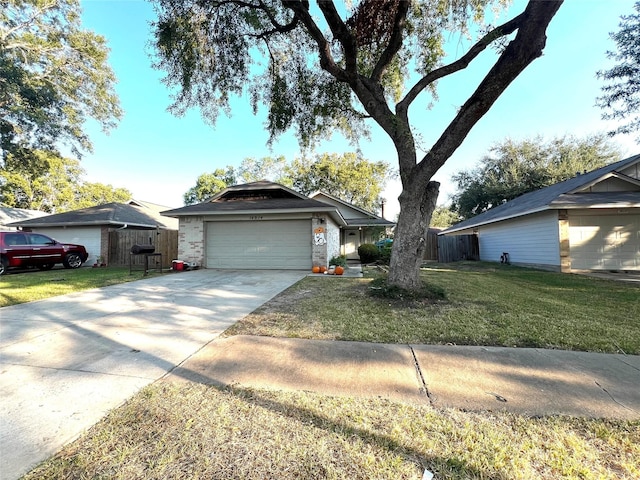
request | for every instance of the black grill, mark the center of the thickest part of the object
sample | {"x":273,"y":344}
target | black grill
{"x":142,"y":249}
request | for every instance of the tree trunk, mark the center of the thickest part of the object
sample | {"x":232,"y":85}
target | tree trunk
{"x":417,"y":203}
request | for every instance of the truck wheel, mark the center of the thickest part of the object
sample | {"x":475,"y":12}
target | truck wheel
{"x":72,"y":260}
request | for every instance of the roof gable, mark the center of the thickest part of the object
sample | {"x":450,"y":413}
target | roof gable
{"x":568,"y":194}
{"x":355,"y":216}
{"x":111,"y":214}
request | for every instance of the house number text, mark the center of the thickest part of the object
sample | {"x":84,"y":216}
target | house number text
{"x":255,"y":217}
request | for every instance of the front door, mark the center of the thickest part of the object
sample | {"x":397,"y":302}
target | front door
{"x":351,"y":244}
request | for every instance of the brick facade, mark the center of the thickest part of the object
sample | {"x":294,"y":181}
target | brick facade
{"x":191,"y":238}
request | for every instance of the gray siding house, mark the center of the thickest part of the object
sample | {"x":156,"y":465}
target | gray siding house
{"x":588,"y":222}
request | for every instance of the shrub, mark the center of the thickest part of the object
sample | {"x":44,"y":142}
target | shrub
{"x":368,"y":253}
{"x":385,"y":255}
{"x":338,"y":260}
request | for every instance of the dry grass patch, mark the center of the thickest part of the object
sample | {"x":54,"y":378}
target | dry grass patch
{"x":193,"y":431}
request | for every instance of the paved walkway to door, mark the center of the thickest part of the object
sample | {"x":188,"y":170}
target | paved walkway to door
{"x":68,"y":360}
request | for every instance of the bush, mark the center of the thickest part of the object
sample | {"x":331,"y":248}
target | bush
{"x":339,"y":260}
{"x":368,"y":253}
{"x":385,"y":255}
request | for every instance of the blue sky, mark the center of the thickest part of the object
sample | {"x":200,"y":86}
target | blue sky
{"x":158,"y":156}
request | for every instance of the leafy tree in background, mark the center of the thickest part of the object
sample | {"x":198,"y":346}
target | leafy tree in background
{"x":208,"y":184}
{"x":444,"y":217}
{"x":513,"y":168}
{"x":53,"y":77}
{"x":90,"y":194}
{"x":320,"y":69}
{"x":42,"y":180}
{"x":267,"y":168}
{"x":348,"y":177}
{"x":621,"y":94}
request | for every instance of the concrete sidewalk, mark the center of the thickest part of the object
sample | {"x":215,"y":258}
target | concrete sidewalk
{"x":523,"y":380}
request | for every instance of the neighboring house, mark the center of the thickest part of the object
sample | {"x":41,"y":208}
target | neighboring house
{"x":92,"y":226}
{"x":10,"y":215}
{"x":589,"y":222}
{"x":265,"y":225}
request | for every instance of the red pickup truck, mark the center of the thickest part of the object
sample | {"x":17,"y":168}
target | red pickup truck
{"x":25,"y":249}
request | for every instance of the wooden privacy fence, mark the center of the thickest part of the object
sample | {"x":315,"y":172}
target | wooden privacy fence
{"x":121,"y":241}
{"x":453,"y":248}
{"x":431,"y":248}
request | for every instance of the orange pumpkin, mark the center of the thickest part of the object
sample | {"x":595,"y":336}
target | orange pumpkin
{"x":339,"y":270}
{"x":323,"y":269}
{"x":315,"y":269}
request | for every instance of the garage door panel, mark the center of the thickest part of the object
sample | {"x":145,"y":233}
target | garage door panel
{"x":605,"y":242}
{"x":263,"y":245}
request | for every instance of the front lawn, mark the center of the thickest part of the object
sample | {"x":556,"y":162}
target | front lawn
{"x":192,"y":431}
{"x":486,"y":304}
{"x":31,"y":285}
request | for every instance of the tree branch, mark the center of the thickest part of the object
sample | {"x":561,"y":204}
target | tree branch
{"x":524,"y":49}
{"x":395,"y":42}
{"x":301,"y":10}
{"x":460,"y":64}
{"x":342,"y":34}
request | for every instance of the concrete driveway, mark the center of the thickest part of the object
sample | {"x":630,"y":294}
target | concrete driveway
{"x":68,"y":360}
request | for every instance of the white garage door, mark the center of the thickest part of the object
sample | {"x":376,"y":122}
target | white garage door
{"x":604,"y":242}
{"x":262,"y":245}
{"x":87,"y":236}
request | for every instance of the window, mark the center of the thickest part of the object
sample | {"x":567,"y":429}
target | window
{"x":37,"y":239}
{"x":15,"y":239}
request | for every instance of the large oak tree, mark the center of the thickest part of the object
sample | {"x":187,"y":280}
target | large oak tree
{"x":320,"y":69}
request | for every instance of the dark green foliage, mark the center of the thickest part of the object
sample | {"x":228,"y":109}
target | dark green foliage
{"x":54,"y":77}
{"x":621,"y":94}
{"x":514,"y":168}
{"x":385,"y":254}
{"x":340,"y":260}
{"x":368,"y":253}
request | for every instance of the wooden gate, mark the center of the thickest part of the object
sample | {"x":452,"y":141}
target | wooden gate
{"x":453,"y":248}
{"x":121,"y":241}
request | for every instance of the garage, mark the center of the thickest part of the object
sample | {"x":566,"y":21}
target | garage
{"x":604,"y":242}
{"x":87,"y":236}
{"x":276,"y":244}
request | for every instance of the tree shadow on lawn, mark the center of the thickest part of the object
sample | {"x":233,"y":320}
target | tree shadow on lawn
{"x":453,"y":467}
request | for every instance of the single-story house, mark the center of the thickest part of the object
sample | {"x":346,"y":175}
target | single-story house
{"x":265,"y":225}
{"x":9,"y":215}
{"x":588,"y":222}
{"x":92,"y":226}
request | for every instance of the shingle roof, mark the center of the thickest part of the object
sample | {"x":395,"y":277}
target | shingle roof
{"x":557,"y":196}
{"x":264,"y":196}
{"x":116,"y":214}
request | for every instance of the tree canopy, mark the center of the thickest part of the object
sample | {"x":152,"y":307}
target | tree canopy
{"x":42,"y":180}
{"x":321,"y":67}
{"x":53,"y":77}
{"x":348,"y":177}
{"x":621,"y":92}
{"x":513,"y":168}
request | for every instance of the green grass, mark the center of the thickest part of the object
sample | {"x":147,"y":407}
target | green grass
{"x":32,"y":285}
{"x":199,"y":432}
{"x":484,"y":304}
